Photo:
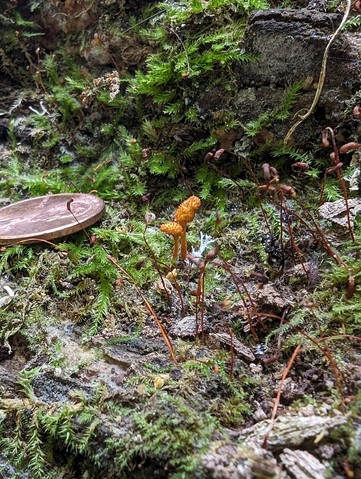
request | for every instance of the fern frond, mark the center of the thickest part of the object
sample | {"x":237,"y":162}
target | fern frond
{"x":352,"y":23}
{"x":278,"y":114}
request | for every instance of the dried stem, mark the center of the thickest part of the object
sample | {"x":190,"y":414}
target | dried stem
{"x":180,"y":296}
{"x":295,"y":246}
{"x":223,"y":264}
{"x":326,"y":352}
{"x":68,"y":207}
{"x":155,"y":262}
{"x":279,"y":393}
{"x":231,"y":372}
{"x":184,"y":49}
{"x":130,"y":280}
{"x":201,"y":299}
{"x":338,"y":168}
{"x":317,"y":235}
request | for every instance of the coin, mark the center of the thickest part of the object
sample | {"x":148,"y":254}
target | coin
{"x":48,"y":217}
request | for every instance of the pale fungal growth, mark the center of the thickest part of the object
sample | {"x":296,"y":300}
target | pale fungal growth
{"x":173,"y":229}
{"x":205,"y":242}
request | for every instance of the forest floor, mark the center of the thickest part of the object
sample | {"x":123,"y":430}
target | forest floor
{"x":116,"y":359}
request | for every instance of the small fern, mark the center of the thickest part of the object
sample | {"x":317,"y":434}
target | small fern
{"x":16,"y":258}
{"x":162,"y":164}
{"x":94,"y":263}
{"x":352,"y":23}
{"x":278,"y":114}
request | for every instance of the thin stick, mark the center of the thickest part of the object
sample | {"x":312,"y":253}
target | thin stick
{"x":280,"y":196}
{"x":336,"y":370}
{"x":143,"y":21}
{"x":130,"y":279}
{"x":36,"y":240}
{"x":155,"y":263}
{"x":341,"y":181}
{"x":339,"y":336}
{"x":223,"y":264}
{"x":295,"y":247}
{"x":180,"y":297}
{"x":322,"y":76}
{"x":184,"y":48}
{"x":279,"y":392}
{"x":231,"y":372}
{"x":68,"y":207}
{"x":321,"y":238}
{"x":200,"y":298}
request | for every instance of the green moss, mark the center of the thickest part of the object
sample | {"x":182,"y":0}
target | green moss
{"x":168,"y":433}
{"x":163,"y":431}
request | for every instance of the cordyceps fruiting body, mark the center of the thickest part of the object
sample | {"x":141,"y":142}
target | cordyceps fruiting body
{"x":185,"y":214}
{"x":173,"y":229}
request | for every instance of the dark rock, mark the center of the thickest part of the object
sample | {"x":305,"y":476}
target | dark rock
{"x":290,"y":45}
{"x":50,"y":388}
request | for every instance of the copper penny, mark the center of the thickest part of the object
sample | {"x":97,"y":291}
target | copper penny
{"x":48,"y":217}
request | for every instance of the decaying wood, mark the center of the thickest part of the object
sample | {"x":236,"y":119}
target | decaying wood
{"x":291,"y":431}
{"x":303,"y":465}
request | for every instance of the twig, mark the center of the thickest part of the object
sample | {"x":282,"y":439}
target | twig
{"x":145,"y":20}
{"x":68,"y":207}
{"x":337,"y":166}
{"x":231,"y":372}
{"x":130,"y":280}
{"x":279,"y":392}
{"x":336,"y":370}
{"x":36,"y":240}
{"x":223,"y":264}
{"x":155,"y":262}
{"x":187,"y":73}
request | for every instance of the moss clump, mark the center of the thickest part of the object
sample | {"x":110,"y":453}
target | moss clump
{"x":167,"y":436}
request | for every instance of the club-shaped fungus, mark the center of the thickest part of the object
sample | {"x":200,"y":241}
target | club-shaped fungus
{"x":185,"y":214}
{"x":174,"y":229}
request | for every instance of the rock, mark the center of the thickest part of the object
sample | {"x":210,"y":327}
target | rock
{"x":228,"y":461}
{"x":5,"y":300}
{"x":50,"y":388}
{"x":290,"y":45}
{"x":68,"y":16}
{"x":7,"y":470}
{"x":218,"y":463}
{"x":187,"y":327}
{"x":97,"y":52}
{"x":356,"y":443}
{"x":335,"y":211}
{"x":259,"y":415}
{"x":239,"y":348}
{"x":8,"y":381}
{"x":270,"y":300}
